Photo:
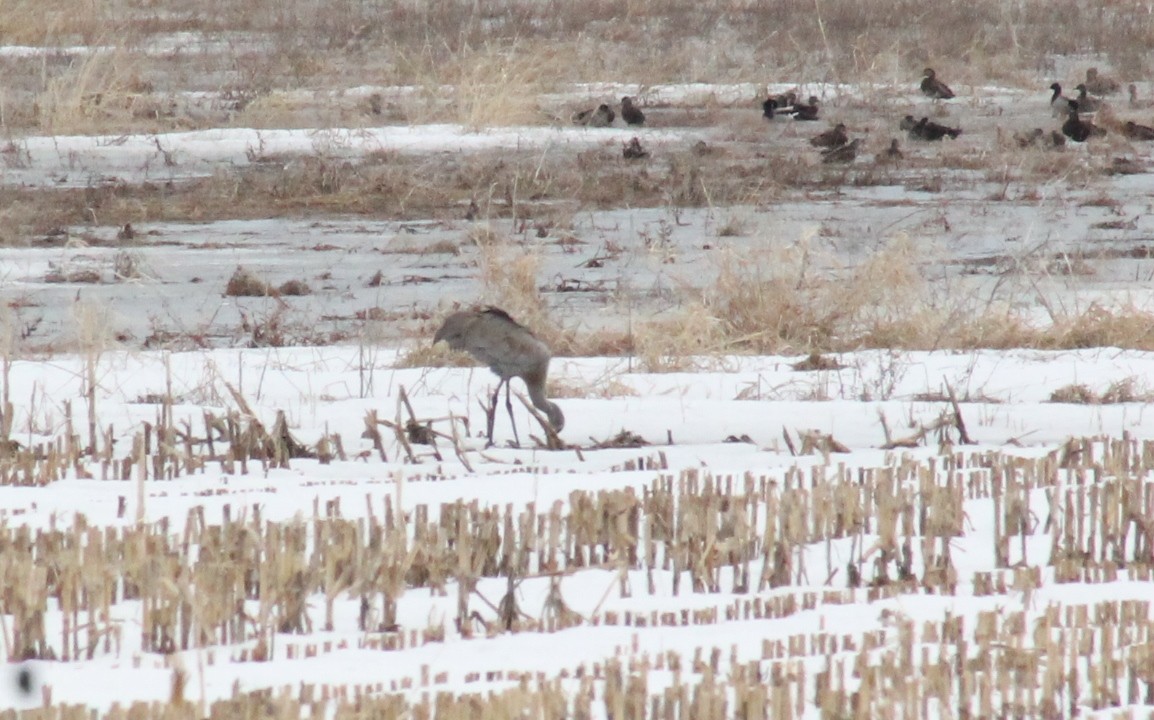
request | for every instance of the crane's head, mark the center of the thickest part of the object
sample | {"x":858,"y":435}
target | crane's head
{"x":452,"y":331}
{"x":556,"y":417}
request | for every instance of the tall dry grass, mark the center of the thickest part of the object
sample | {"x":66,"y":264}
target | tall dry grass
{"x":792,"y":300}
{"x":500,"y":54}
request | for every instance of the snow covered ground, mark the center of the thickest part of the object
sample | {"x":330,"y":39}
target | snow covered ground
{"x":582,"y":610}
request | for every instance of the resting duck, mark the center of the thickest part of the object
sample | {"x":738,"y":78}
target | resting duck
{"x":630,"y":113}
{"x":781,"y":103}
{"x":804,"y":111}
{"x":1030,"y":140}
{"x":1077,"y":129}
{"x":632,"y":150}
{"x":834,"y":137}
{"x":934,"y":88}
{"x":1100,"y":84}
{"x":926,"y":129}
{"x":1134,"y":131}
{"x":843,"y":154}
{"x":601,"y":116}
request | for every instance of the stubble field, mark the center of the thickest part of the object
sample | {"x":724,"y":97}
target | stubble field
{"x":843,"y":440}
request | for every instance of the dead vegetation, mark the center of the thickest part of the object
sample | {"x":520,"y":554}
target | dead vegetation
{"x":1127,"y":390}
{"x":245,"y":283}
{"x":689,"y":532}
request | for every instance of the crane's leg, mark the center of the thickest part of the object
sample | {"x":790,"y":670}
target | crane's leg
{"x":491,"y":414}
{"x":512,"y":420}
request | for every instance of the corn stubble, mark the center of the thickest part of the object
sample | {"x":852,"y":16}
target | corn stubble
{"x":692,"y":532}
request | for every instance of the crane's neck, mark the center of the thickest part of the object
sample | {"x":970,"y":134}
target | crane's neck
{"x":537,"y":396}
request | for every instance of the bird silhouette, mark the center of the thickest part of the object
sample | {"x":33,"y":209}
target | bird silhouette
{"x":1136,"y":102}
{"x":1029,"y":140}
{"x":934,"y":88}
{"x":1100,"y":84}
{"x":804,"y":111}
{"x":1059,"y":103}
{"x":601,"y":116}
{"x":926,"y":129}
{"x":781,"y":104}
{"x":834,"y":137}
{"x":892,"y":154}
{"x":632,"y":150}
{"x":1077,"y":129}
{"x":1086,"y":103}
{"x":510,"y":350}
{"x":1134,"y":131}
{"x":630,"y":113}
{"x":841,"y":154}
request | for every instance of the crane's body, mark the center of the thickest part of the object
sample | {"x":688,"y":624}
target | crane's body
{"x":510,"y":350}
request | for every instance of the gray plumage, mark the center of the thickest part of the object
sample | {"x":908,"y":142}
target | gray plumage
{"x":510,"y":350}
{"x":1087,"y":104}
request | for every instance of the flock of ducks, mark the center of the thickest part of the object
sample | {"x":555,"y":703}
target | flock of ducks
{"x":837,"y":147}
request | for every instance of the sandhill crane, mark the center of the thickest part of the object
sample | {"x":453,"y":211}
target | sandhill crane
{"x":510,"y":350}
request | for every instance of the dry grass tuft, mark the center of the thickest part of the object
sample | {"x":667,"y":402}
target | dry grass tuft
{"x":790,"y":301}
{"x":244,"y":283}
{"x":425,"y":354}
{"x":497,"y":84}
{"x":681,"y":342}
{"x":783,"y":302}
{"x":1126,"y":390}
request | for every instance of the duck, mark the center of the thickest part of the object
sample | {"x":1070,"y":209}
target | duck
{"x":805,"y":111}
{"x":1136,"y":102}
{"x":1100,"y":84}
{"x":926,"y":129}
{"x":1086,"y":104}
{"x":601,"y":116}
{"x":934,"y":88}
{"x":841,"y":154}
{"x":630,"y":113}
{"x":1077,"y":129}
{"x":1134,"y":131}
{"x":832,"y":138}
{"x":892,"y":154}
{"x":1059,"y":103}
{"x":1029,"y":140}
{"x":633,"y":150}
{"x":781,"y":103}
